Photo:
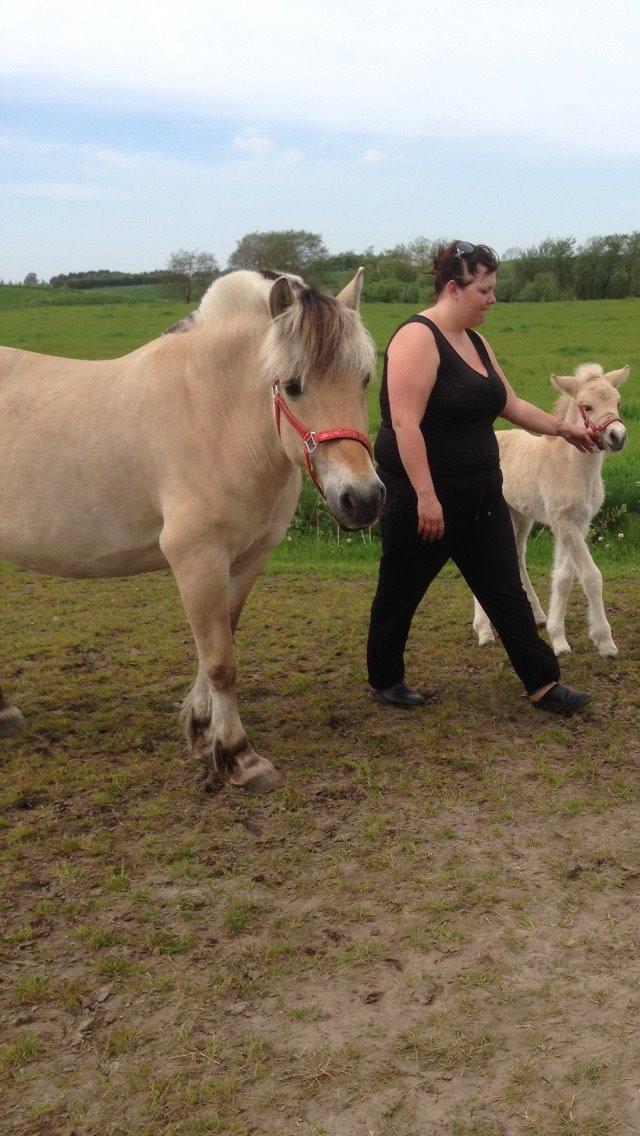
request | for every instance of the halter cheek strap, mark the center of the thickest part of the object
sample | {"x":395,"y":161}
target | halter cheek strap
{"x":597,"y":431}
{"x":313,"y":438}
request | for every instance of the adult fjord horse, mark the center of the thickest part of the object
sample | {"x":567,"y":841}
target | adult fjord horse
{"x":187,"y":454}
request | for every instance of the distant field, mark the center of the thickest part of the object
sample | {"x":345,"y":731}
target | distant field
{"x":530,"y":340}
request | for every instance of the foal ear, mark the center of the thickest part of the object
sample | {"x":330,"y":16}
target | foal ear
{"x":281,"y":296}
{"x":617,"y":378}
{"x":349,"y":297}
{"x":568,"y":384}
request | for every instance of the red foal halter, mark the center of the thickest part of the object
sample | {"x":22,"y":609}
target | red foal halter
{"x":313,"y":438}
{"x":597,"y":431}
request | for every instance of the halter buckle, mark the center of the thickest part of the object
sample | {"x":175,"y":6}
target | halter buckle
{"x":311,"y":443}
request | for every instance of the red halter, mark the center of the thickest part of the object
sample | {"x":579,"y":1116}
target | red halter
{"x":597,"y":431}
{"x":312,"y":438}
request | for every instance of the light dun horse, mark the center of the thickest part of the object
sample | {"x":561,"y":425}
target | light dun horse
{"x":187,"y":454}
{"x":548,"y":481}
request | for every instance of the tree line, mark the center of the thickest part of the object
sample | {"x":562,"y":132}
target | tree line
{"x":604,"y":267}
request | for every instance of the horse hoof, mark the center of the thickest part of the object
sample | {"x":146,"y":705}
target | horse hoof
{"x":562,"y":649}
{"x":11,"y":721}
{"x":608,"y":651}
{"x":486,"y":641}
{"x":264,"y":783}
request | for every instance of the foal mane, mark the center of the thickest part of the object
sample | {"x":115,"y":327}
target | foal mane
{"x":586,"y":372}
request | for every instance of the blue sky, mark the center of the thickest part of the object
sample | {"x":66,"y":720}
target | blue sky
{"x":130,"y":130}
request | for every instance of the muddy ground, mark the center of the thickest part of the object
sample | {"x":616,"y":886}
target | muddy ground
{"x":434,"y":928}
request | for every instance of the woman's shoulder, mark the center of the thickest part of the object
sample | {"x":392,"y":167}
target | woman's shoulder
{"x":413,"y":337}
{"x":416,"y":329}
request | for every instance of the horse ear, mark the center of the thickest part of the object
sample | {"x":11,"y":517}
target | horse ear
{"x":350,"y":295}
{"x":281,"y":296}
{"x":617,"y":378}
{"x":568,"y":384}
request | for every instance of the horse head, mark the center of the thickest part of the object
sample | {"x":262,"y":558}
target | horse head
{"x":320,"y":358}
{"x":594,"y":396}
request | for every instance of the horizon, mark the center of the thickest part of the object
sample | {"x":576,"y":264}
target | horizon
{"x":126,"y":135}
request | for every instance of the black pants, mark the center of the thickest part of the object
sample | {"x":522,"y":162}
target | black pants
{"x":479,"y":538}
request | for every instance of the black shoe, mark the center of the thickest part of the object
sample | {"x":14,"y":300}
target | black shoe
{"x":399,"y":695}
{"x":562,"y":699}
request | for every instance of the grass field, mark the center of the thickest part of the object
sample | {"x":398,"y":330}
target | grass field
{"x":530,"y":340}
{"x":431,"y":930}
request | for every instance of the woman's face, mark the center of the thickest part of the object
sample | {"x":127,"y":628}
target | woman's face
{"x":477,"y":297}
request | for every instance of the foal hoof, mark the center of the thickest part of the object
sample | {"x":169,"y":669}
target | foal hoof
{"x":11,"y":721}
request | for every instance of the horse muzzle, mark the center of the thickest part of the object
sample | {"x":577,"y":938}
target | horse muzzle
{"x":614,"y":437}
{"x":355,"y":504}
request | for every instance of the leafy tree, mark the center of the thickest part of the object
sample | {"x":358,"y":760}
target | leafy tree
{"x":288,"y":250}
{"x":192,"y":272}
{"x":31,"y":280}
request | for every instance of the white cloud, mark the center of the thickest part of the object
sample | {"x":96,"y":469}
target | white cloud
{"x":62,"y":190}
{"x":504,"y":68}
{"x":372,"y":156}
{"x":250,"y":142}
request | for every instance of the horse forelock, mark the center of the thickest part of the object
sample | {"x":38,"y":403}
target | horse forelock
{"x":585,"y":373}
{"x":319,"y":335}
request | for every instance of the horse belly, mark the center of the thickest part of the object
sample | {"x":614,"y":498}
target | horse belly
{"x":79,"y":538}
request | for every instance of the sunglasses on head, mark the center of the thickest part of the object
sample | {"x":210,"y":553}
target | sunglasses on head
{"x":463,"y":248}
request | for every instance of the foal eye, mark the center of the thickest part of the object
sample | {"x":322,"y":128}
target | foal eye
{"x":587,"y":408}
{"x":293,"y":387}
{"x":366,"y":381}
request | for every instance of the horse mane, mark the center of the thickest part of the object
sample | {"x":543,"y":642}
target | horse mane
{"x":316,"y":333}
{"x":586,"y":372}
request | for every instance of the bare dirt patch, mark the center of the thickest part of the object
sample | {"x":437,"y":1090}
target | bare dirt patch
{"x":432,"y":929}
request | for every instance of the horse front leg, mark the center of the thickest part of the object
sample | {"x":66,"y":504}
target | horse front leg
{"x":521,"y":529}
{"x":11,"y":720}
{"x":482,"y":625}
{"x":590,"y":578}
{"x":214,"y":731}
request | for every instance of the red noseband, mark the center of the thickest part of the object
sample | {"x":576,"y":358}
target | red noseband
{"x":313,"y":438}
{"x":597,"y":431}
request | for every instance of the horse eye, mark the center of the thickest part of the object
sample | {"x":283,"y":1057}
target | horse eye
{"x":587,"y":408}
{"x":366,"y":381}
{"x":293,"y":387}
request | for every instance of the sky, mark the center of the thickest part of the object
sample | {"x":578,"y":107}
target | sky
{"x":131,"y":129}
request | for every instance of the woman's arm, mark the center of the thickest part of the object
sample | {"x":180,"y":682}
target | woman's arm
{"x":412,"y":365}
{"x":531,"y":417}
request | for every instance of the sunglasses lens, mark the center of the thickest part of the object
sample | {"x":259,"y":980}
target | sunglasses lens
{"x":463,"y":249}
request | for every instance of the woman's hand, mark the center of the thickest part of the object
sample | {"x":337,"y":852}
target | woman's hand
{"x":578,"y":436}
{"x":430,"y":517}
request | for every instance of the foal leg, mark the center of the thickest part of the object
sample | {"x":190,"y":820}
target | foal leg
{"x":11,"y":720}
{"x":591,"y":579}
{"x":482,"y":625}
{"x":521,"y":528}
{"x":213,"y":727}
{"x":561,"y":584}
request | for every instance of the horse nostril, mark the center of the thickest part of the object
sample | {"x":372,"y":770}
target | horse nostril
{"x":347,"y":503}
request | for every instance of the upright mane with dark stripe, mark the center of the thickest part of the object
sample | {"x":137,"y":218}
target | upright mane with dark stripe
{"x":317,"y":335}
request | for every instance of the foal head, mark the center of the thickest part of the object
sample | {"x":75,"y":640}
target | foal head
{"x":319,"y":353}
{"x":591,"y":395}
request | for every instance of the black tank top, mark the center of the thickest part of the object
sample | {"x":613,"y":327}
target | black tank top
{"x":458,"y":421}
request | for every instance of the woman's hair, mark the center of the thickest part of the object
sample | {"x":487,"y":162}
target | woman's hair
{"x":459,"y":261}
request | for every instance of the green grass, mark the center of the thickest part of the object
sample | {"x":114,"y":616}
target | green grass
{"x":530,"y":341}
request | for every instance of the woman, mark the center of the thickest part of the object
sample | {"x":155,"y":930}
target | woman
{"x":437,"y":454}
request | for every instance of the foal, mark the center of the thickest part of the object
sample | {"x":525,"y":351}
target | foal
{"x":547,"y":481}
